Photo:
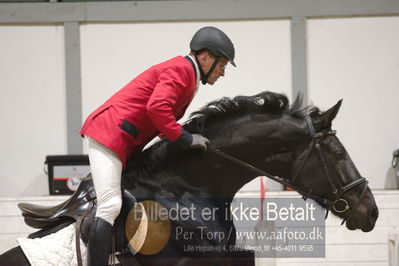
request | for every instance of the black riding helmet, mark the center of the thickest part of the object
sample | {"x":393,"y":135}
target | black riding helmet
{"x":217,"y":42}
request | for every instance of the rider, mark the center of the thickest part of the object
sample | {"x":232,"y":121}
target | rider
{"x":147,"y":106}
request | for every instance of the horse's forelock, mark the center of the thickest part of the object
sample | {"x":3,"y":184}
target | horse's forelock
{"x":297,"y":108}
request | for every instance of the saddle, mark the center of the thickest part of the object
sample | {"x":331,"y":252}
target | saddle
{"x":80,"y":208}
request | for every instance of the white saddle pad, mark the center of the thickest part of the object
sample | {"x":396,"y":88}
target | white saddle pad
{"x":57,"y":249}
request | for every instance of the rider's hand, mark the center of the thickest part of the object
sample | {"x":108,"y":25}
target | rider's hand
{"x":199,"y":142}
{"x":195,"y":141}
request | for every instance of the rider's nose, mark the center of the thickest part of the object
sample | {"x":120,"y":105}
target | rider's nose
{"x":222,"y":73}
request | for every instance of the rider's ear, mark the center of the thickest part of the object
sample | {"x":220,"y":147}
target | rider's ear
{"x":328,"y":116}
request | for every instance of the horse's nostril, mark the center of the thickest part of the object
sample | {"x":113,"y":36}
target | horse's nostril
{"x":374,"y":213}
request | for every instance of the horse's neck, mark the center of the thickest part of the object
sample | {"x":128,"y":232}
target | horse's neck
{"x":283,"y":140}
{"x":208,"y":174}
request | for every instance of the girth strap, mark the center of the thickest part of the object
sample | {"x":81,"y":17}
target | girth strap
{"x":79,"y":219}
{"x":77,"y":241}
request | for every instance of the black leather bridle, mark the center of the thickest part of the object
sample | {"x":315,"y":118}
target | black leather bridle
{"x":336,"y":189}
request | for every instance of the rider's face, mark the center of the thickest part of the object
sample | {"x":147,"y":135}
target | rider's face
{"x":207,"y":60}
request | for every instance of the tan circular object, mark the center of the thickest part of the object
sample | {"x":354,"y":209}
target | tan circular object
{"x":148,"y":227}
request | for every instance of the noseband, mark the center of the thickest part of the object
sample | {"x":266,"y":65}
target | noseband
{"x":338,"y":204}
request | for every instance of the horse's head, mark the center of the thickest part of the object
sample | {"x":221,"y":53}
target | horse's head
{"x":296,"y":144}
{"x":325,"y":169}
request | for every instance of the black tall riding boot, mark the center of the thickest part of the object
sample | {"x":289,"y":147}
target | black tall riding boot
{"x":100,"y":243}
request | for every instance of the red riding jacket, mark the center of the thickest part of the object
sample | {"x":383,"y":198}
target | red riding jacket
{"x":150,"y":104}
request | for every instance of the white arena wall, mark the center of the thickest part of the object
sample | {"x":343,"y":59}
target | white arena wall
{"x":32,"y":80}
{"x":351,"y":58}
{"x":357,"y":60}
{"x":32,"y":106}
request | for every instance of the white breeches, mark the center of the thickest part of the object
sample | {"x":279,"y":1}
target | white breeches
{"x":106,"y":169}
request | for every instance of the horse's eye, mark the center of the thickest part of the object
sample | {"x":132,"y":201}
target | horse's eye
{"x":340,"y":155}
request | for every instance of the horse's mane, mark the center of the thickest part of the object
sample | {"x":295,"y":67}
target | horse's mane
{"x":264,"y":102}
{"x":161,"y":152}
{"x":226,"y":107}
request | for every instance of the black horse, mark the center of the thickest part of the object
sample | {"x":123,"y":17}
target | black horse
{"x":258,"y":132}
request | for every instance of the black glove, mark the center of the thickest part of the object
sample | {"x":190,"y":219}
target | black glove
{"x":195,"y":141}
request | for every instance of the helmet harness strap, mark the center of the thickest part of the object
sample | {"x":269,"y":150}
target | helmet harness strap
{"x":204,"y":77}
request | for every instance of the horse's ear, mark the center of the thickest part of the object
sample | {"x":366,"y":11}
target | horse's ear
{"x":328,"y":116}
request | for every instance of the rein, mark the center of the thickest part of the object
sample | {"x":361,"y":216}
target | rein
{"x":315,"y":144}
